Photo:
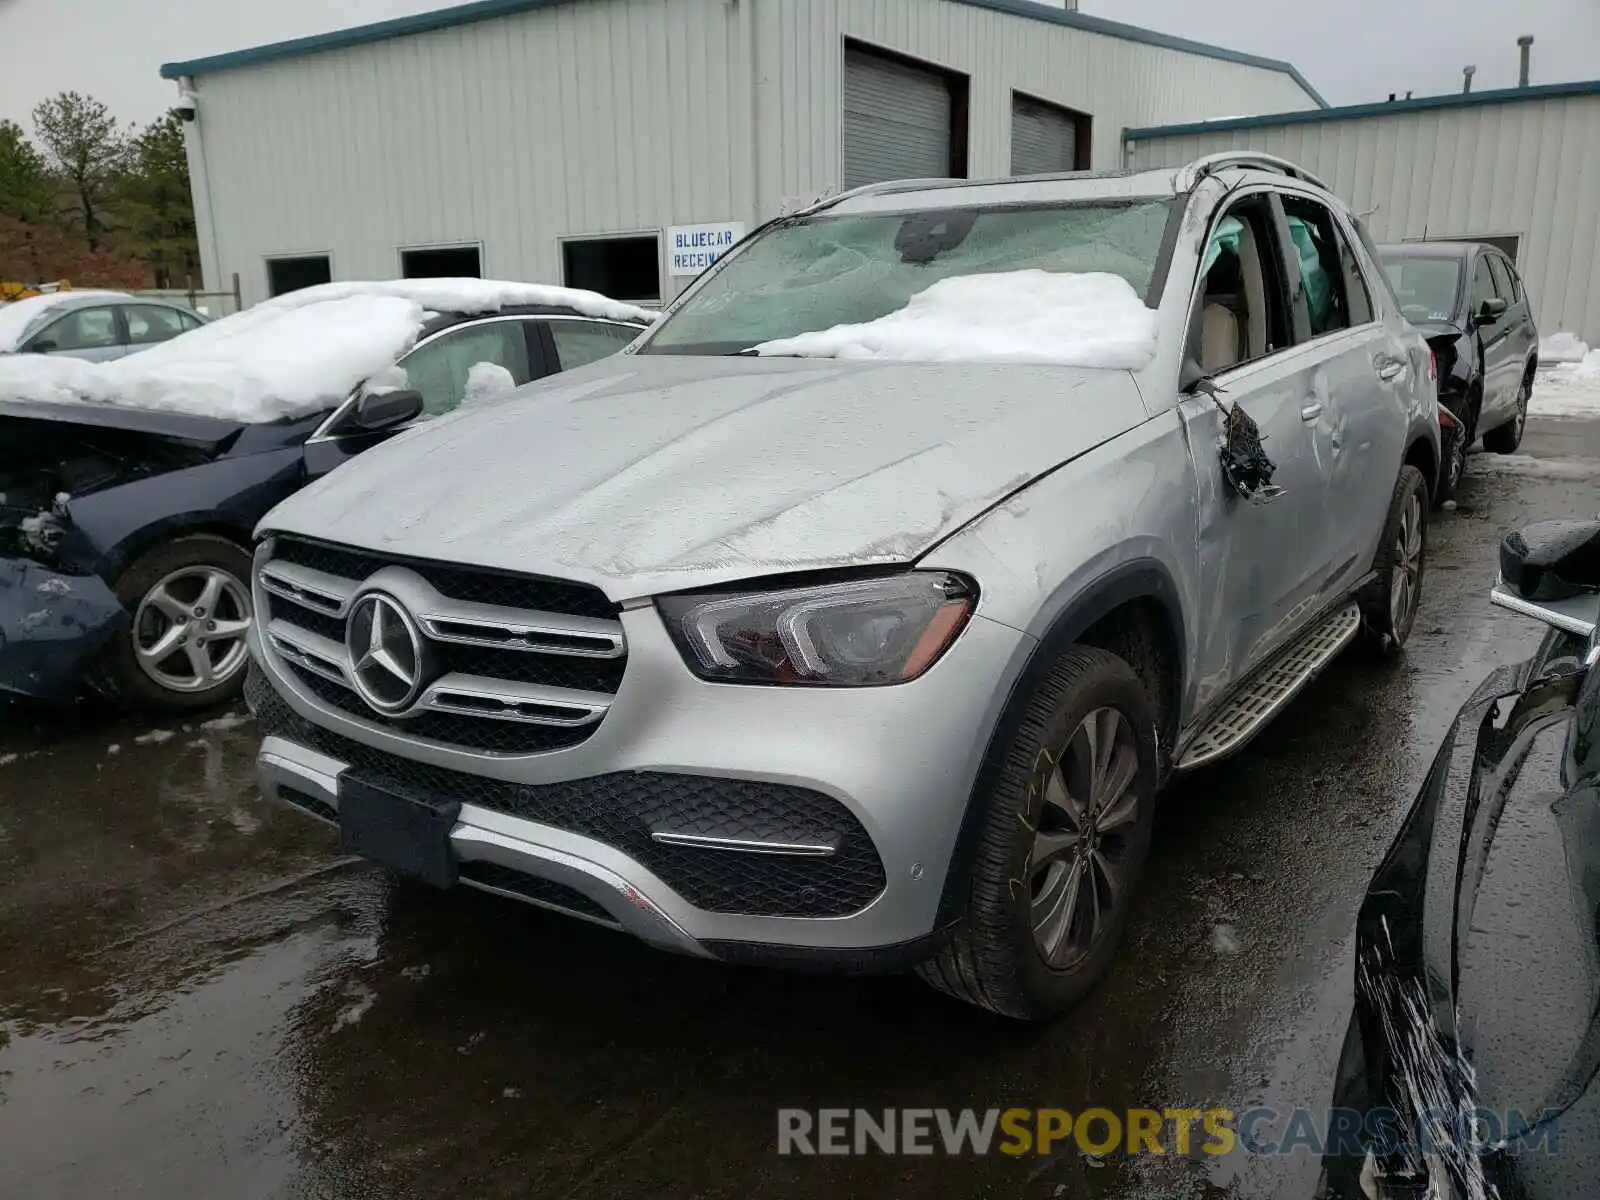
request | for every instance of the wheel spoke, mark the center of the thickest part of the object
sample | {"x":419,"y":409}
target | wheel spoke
{"x":227,"y":631}
{"x":168,"y":605}
{"x":1122,"y":807}
{"x":199,"y":663}
{"x":1056,"y":907}
{"x":1110,"y":874}
{"x":1051,"y":845}
{"x":1122,"y":765}
{"x":163,"y":646}
{"x":1414,"y":533}
{"x":1057,"y":795}
{"x":211,"y":592}
{"x":1107,"y":724}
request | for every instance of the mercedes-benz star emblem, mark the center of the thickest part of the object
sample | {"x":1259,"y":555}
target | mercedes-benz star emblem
{"x":386,"y":652}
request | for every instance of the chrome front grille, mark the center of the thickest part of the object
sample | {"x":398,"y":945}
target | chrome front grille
{"x":515,"y":664}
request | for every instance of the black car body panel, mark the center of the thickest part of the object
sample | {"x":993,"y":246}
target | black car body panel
{"x":1482,"y":362}
{"x":1477,"y":1017}
{"x":85,"y":489}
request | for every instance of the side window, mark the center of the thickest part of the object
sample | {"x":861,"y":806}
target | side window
{"x":439,"y":369}
{"x":1502,"y":278}
{"x":1242,"y":310}
{"x":84,"y":329}
{"x":579,"y":343}
{"x":1323,"y":262}
{"x":1482,"y":282}
{"x":189,"y":321}
{"x":150,"y":323}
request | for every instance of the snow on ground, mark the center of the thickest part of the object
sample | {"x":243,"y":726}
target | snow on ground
{"x":290,"y":356}
{"x":1084,"y":320}
{"x":1562,"y":347}
{"x":1569,"y":389}
{"x":1545,"y":468}
{"x":21,"y":317}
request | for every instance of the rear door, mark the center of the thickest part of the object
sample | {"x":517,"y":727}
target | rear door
{"x":1522,"y":336}
{"x":1499,"y":394}
{"x":1361,"y":378}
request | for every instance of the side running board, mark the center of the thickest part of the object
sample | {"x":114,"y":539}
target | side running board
{"x":1260,"y":699}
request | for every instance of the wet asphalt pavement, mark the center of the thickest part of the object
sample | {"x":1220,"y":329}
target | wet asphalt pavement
{"x":199,"y":996}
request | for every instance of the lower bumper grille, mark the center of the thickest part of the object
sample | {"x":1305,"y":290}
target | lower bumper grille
{"x":622,"y":809}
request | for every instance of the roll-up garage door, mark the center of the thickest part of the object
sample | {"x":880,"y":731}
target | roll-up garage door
{"x":897,"y":120}
{"x":1043,"y":139}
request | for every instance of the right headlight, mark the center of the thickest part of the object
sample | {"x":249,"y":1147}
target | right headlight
{"x":861,"y":633}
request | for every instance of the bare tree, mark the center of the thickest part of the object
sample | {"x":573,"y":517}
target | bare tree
{"x":83,"y":143}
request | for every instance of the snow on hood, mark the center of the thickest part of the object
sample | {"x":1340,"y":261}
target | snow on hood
{"x":290,"y":356}
{"x":21,"y":317}
{"x":1092,"y":319}
{"x":643,"y":474}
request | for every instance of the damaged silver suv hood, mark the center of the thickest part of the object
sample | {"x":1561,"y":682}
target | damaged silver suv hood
{"x":647,"y":474}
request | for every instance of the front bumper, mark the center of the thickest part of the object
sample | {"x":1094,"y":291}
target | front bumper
{"x":51,"y":625}
{"x":898,"y":763}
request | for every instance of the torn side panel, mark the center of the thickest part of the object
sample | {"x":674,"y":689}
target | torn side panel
{"x":51,"y":626}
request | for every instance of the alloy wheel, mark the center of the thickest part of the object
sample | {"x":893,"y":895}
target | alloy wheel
{"x":1406,"y":572}
{"x":1078,"y":867}
{"x":189,"y":629}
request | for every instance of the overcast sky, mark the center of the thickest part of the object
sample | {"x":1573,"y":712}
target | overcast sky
{"x":1351,"y":50}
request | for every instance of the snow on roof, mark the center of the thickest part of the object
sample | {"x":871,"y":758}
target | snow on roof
{"x":1089,"y":319}
{"x":21,"y":317}
{"x":290,"y":356}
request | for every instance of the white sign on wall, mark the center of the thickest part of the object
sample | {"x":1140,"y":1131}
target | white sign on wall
{"x":693,"y":248}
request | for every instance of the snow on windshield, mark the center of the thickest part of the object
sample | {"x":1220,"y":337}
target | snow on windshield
{"x":22,"y":317}
{"x":290,"y":356}
{"x":1083,"y":320}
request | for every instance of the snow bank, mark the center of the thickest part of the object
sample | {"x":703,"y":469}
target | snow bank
{"x":21,"y":317}
{"x":291,"y":356}
{"x":1570,"y":389}
{"x":1031,"y":316}
{"x":1562,"y":348}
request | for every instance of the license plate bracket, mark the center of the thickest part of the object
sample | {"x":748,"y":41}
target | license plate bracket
{"x":399,"y":831}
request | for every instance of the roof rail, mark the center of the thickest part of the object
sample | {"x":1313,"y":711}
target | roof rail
{"x":1192,"y":174}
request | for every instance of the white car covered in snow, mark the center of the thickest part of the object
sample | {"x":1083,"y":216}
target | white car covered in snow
{"x":129,"y":490}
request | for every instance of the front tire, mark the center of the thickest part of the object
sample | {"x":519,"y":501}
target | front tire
{"x":185,"y":647}
{"x":1389,"y":603}
{"x":1065,"y":835}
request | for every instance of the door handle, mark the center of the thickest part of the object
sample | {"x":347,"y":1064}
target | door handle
{"x":1390,"y":369}
{"x":1311,"y":410}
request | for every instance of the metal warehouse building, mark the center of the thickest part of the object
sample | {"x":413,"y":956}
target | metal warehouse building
{"x":621,"y":144}
{"x":1518,"y":167}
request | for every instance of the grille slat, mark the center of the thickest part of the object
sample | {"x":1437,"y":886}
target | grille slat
{"x":520,"y":664}
{"x":622,"y":808}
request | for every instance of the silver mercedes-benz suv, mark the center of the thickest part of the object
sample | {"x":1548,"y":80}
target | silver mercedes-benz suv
{"x":857,"y":660}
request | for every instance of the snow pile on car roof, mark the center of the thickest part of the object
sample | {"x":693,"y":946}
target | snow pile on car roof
{"x":1090,"y":319}
{"x":290,"y":356}
{"x":21,"y":317}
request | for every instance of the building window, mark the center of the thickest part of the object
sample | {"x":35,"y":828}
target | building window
{"x":292,"y":274}
{"x":624,"y":268}
{"x":1046,"y":138}
{"x":902,"y":119}
{"x":441,"y":262}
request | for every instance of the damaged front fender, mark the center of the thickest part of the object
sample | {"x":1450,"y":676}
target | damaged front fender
{"x":51,"y":625}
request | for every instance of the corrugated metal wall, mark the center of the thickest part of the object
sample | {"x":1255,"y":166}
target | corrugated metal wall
{"x":1524,"y":168}
{"x":617,"y":116}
